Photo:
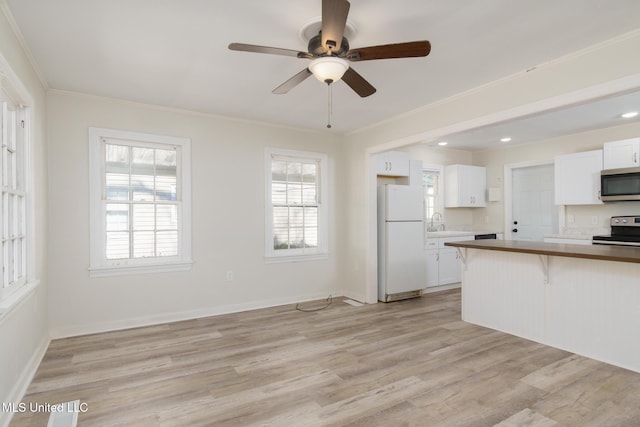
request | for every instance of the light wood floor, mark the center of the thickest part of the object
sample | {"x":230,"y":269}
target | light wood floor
{"x":408,"y":363}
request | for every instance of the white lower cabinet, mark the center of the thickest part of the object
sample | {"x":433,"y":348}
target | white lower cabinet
{"x":443,"y":263}
{"x":433,"y":260}
{"x":449,"y":268}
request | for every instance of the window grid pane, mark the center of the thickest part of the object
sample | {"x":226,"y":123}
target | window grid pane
{"x":294,"y":198}
{"x":430,"y":182}
{"x":13,"y":210}
{"x":144,"y":222}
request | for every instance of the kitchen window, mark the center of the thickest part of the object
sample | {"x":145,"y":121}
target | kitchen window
{"x":433,"y":185}
{"x":16,"y":195}
{"x":296,"y":205}
{"x":140,"y":203}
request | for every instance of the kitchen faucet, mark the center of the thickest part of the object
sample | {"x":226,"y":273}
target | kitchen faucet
{"x":431,"y":227}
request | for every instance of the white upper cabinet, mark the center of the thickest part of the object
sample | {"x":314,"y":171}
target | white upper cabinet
{"x":392,"y":163}
{"x":622,"y":154}
{"x":465,"y":186}
{"x":577,"y":178}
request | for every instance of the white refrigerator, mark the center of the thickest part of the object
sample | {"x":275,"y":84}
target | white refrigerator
{"x":401,"y":257}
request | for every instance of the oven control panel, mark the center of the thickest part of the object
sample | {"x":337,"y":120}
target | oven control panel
{"x":625,"y":221}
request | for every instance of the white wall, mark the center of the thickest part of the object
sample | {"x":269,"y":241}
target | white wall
{"x":24,"y":334}
{"x":228,"y":220}
{"x":606,"y":62}
{"x":545,"y":151}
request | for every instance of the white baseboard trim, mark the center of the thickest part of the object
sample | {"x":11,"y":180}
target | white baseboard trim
{"x":442,"y":288}
{"x":85,"y":329}
{"x":20,"y":388}
{"x":354,"y":296}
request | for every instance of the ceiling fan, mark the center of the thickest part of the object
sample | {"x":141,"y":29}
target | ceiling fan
{"x":329,"y":51}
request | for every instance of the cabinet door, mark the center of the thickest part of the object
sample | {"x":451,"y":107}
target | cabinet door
{"x":577,"y":178}
{"x":432,"y":268}
{"x":475,"y":180}
{"x":392,"y":163}
{"x":465,"y":186}
{"x":449,"y":268}
{"x":622,"y":154}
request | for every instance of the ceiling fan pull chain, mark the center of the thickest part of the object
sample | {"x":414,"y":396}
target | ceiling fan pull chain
{"x":329,"y":106}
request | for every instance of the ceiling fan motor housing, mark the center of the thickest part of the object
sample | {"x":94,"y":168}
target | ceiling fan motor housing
{"x":316,"y":49}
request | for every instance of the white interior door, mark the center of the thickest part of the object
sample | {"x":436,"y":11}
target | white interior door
{"x":534,"y":211}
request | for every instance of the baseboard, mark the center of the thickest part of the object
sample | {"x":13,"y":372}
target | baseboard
{"x":20,"y":388}
{"x":85,"y":329}
{"x":442,"y":288}
{"x":357,"y":297}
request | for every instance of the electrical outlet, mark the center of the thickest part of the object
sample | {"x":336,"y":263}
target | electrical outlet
{"x":594,"y":220}
{"x":570,"y":219}
{"x":229,"y":276}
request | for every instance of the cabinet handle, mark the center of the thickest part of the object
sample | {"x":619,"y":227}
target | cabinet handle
{"x":635,"y":157}
{"x":438,"y":257}
{"x":599,"y":194}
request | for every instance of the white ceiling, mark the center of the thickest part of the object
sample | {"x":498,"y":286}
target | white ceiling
{"x":174,"y":52}
{"x":598,"y":114}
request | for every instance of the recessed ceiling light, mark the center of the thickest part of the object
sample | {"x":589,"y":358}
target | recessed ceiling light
{"x":629,"y":115}
{"x":442,"y":143}
{"x":506,"y":139}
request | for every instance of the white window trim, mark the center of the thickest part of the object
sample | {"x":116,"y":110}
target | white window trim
{"x":297,"y":255}
{"x":12,"y":85}
{"x":99,"y":266}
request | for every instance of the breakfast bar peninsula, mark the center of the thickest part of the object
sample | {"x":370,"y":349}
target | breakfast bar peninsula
{"x":581,"y":298}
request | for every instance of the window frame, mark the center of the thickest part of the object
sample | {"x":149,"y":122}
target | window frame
{"x":13,"y":91}
{"x":99,"y":265}
{"x":299,"y":254}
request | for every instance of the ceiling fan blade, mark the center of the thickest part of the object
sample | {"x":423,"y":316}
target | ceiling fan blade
{"x":292,"y":82}
{"x":396,"y":50}
{"x":358,"y":83}
{"x":270,"y":50}
{"x":334,"y":20}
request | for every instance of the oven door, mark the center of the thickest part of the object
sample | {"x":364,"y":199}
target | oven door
{"x":620,"y":184}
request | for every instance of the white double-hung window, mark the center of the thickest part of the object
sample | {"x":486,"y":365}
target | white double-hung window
{"x":296,"y":205}
{"x":140,"y":202}
{"x":16,"y":199}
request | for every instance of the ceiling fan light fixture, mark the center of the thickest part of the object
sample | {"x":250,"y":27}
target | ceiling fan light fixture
{"x":328,"y":69}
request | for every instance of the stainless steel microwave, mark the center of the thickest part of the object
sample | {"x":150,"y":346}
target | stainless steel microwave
{"x":620,"y":184}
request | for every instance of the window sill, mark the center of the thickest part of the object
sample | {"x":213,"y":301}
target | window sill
{"x":111,"y":271}
{"x":275,"y":259}
{"x":9,"y":302}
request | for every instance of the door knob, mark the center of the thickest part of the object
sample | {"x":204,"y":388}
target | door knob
{"x":515,"y":230}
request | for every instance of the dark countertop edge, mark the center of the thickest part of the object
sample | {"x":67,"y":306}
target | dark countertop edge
{"x":598,"y":252}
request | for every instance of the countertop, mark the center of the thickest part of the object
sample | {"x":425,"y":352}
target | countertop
{"x":599,"y":252}
{"x":456,"y":233}
{"x":569,"y":236}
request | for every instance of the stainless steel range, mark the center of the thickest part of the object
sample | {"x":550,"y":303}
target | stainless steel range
{"x":625,"y":231}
